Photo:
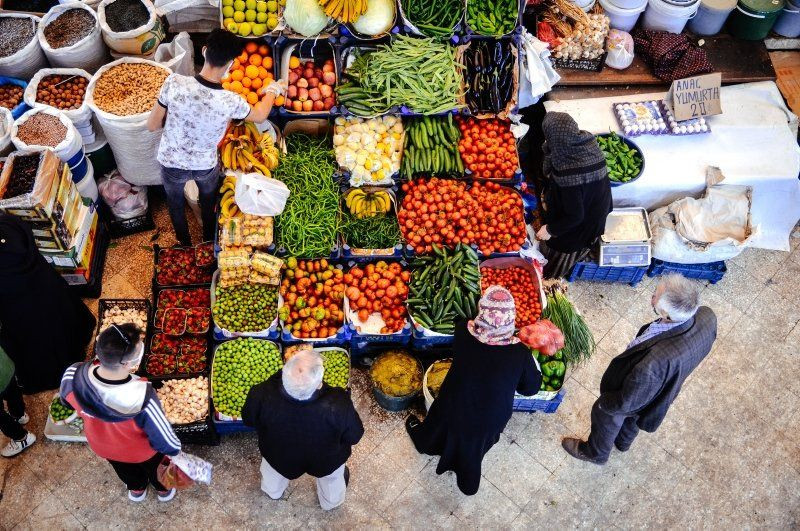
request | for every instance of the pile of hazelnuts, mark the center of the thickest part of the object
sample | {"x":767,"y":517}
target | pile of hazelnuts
{"x":10,"y":95}
{"x":62,"y":92}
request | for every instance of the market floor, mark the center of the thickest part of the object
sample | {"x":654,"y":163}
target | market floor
{"x":727,"y":456}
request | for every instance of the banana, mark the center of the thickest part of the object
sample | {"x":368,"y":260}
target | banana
{"x":226,"y":154}
{"x":253,"y":131}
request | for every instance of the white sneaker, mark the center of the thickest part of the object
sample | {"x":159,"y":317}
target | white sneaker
{"x":23,"y":419}
{"x":16,"y":447}
{"x":166,"y":495}
{"x":137,"y":495}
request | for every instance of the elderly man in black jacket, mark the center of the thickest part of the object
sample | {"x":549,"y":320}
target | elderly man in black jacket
{"x":304,"y":427}
{"x":641,"y":383}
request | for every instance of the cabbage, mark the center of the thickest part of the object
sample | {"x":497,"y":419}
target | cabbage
{"x":305,"y":17}
{"x":378,"y":18}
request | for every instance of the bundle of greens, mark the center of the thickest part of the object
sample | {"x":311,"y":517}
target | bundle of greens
{"x":579,"y":343}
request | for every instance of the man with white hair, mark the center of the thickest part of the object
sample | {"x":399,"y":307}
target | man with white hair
{"x":641,"y":383}
{"x":304,"y":427}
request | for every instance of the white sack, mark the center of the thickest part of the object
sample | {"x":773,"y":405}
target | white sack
{"x":29,"y":59}
{"x":81,"y":116}
{"x":90,"y":53}
{"x":177,"y":55}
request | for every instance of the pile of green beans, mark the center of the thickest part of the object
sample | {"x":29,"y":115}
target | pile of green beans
{"x":434,"y":18}
{"x":422,"y":74}
{"x":376,"y":232}
{"x":308,"y":225}
{"x":492,"y":17}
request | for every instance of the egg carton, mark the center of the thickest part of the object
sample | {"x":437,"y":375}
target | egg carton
{"x":641,"y":118}
{"x":692,"y":126}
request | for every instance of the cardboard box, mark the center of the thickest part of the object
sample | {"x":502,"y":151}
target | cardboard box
{"x":79,"y":252}
{"x":37,"y":204}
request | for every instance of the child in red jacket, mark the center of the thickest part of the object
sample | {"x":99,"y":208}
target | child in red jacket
{"x":123,"y":419}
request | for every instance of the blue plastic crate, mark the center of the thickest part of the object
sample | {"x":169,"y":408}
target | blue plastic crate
{"x":224,"y":427}
{"x":711,"y":271}
{"x":545,"y":406}
{"x":360,"y":341}
{"x":342,"y":338}
{"x":419,"y":341}
{"x":592,"y":272}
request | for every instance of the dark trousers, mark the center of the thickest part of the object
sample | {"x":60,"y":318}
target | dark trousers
{"x":607,"y":430}
{"x":137,"y":475}
{"x":12,"y":395}
{"x":175,"y":180}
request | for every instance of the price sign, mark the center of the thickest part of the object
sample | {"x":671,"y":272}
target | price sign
{"x":696,"y":96}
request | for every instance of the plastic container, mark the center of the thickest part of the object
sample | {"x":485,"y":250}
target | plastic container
{"x":623,"y":19}
{"x":663,"y":16}
{"x":788,"y":23}
{"x":711,"y":16}
{"x":752,"y":20}
{"x":585,"y":5}
{"x":426,"y":393}
{"x":592,"y":272}
{"x":87,"y":186}
{"x":712,"y":271}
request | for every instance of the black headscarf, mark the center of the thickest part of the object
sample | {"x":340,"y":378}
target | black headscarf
{"x":571,"y":156}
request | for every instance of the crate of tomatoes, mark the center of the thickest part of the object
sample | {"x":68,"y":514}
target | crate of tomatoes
{"x":489,"y":150}
{"x":522,"y":279}
{"x":374,"y":302}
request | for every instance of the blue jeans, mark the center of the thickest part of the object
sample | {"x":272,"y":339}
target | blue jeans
{"x":175,"y":180}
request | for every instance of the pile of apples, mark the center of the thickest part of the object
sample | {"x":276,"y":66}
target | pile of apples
{"x":311,"y":87}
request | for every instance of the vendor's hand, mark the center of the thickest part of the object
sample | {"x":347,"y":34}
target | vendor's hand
{"x":277,"y":88}
{"x":543,"y":235}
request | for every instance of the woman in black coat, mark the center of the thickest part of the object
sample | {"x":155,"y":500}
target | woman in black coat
{"x":476,"y":398}
{"x":44,"y":327}
{"x":577,"y":199}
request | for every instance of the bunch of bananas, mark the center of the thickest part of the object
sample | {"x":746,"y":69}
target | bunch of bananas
{"x":368,"y":204}
{"x":227,"y":205}
{"x":246,"y":149}
{"x":344,"y":10}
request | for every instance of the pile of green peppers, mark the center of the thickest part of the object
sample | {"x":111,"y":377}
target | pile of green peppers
{"x":553,"y":369}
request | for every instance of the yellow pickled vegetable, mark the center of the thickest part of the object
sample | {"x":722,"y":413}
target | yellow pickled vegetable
{"x":396,"y":373}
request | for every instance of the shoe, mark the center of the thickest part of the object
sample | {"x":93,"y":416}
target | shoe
{"x":24,"y":419}
{"x":346,"y":475}
{"x":16,"y":447}
{"x":572,"y":447}
{"x":412,"y":422}
{"x":137,"y":495}
{"x":166,"y":495}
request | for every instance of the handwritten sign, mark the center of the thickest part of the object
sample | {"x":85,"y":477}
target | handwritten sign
{"x":696,"y":96}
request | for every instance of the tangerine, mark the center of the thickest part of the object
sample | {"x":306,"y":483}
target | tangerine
{"x":255,"y":60}
{"x":294,"y":62}
{"x":256,"y":83}
{"x":237,"y":75}
{"x":236,"y":86}
{"x":251,"y":47}
{"x":252,"y":98}
{"x":263,"y":50}
{"x":262,"y":72}
{"x":243,"y":58}
{"x":236,"y":64}
{"x":280,"y":100}
{"x":251,"y":71}
{"x":226,"y":85}
{"x":246,"y":82}
{"x":267,"y":63}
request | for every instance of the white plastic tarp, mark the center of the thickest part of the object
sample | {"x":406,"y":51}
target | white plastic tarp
{"x":753,"y":142}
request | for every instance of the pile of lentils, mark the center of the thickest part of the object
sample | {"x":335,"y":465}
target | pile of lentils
{"x":69,"y":28}
{"x":10,"y":95}
{"x":129,"y":88}
{"x":42,"y":129}
{"x":15,"y":34}
{"x":125,"y":15}
{"x":62,"y":92}
{"x":23,"y":175}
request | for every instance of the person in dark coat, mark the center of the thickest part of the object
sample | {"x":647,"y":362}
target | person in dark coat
{"x":577,"y":198}
{"x":45,"y":328}
{"x":304,"y":427}
{"x":476,"y":398}
{"x":640,"y":384}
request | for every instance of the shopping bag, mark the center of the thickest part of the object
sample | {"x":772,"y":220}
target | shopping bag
{"x":259,"y":195}
{"x":183,"y":470}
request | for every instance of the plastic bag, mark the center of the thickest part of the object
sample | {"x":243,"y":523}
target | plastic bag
{"x":89,"y":53}
{"x":177,"y":55}
{"x":183,"y":470}
{"x":260,"y":196}
{"x":619,"y":45}
{"x":29,"y":60}
{"x":126,"y":201}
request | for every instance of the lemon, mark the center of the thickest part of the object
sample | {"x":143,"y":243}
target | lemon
{"x":238,"y":16}
{"x":259,"y":29}
{"x":281,"y":3}
{"x":227,"y":3}
{"x":250,"y":15}
{"x":227,"y":22}
{"x":227,"y":11}
{"x":261,"y":18}
{"x":261,"y":7}
{"x":244,"y":29}
{"x":272,"y":21}
{"x":272,"y":6}
{"x":238,"y":5}
{"x":251,"y":4}
{"x":233,"y":27}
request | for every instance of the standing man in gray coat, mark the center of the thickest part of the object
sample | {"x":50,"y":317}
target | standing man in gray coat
{"x":641,"y":383}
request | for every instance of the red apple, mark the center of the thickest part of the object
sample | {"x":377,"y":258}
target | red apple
{"x":326,"y":91}
{"x":298,"y":70}
{"x":327,"y":66}
{"x":308,"y":73}
{"x":329,"y":102}
{"x":302,"y":83}
{"x":287,"y":103}
{"x":302,"y":94}
{"x":293,"y":77}
{"x":309,"y":64}
{"x":308,"y":105}
{"x":297,"y":106}
{"x":314,"y":94}
{"x":313,"y":82}
{"x":318,"y":72}
{"x":329,"y":78}
{"x":291,"y":92}
{"x":319,"y":106}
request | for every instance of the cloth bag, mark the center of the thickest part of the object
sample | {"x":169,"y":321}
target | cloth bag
{"x":259,"y":195}
{"x":29,"y":59}
{"x":81,"y":117}
{"x":540,"y":77}
{"x":139,"y":41}
{"x":90,"y":53}
{"x":177,"y":55}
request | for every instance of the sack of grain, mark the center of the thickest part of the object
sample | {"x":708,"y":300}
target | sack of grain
{"x":75,"y":40}
{"x":128,"y":29}
{"x":81,"y":117}
{"x":20,"y":53}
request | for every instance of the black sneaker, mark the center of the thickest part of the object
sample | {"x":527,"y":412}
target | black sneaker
{"x":412,"y":422}
{"x":346,"y":475}
{"x":622,"y":448}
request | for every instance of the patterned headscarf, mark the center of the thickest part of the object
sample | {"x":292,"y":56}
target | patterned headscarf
{"x":494,"y":324}
{"x":572,"y":157}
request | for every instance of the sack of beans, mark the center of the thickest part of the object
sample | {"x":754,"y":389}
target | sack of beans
{"x":130,"y":27}
{"x":121,"y":95}
{"x":12,"y":92}
{"x":20,"y":53}
{"x":63,"y":89}
{"x":70,"y":37}
{"x":48,"y":128}
{"x":6,"y":123}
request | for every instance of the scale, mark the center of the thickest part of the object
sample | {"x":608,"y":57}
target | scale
{"x":634,"y":252}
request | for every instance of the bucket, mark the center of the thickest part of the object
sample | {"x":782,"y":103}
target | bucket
{"x":79,"y":168}
{"x":753,"y":19}
{"x":426,"y":393}
{"x":87,"y":186}
{"x":393,"y":403}
{"x":788,"y":23}
{"x":711,"y":16}
{"x":621,"y":18}
{"x":585,"y":5}
{"x":192,"y":195}
{"x":661,"y":16}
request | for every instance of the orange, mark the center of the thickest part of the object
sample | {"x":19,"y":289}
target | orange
{"x":251,"y":71}
{"x":255,"y":59}
{"x":237,"y":75}
{"x":246,"y":82}
{"x":263,"y":50}
{"x":251,"y":47}
{"x":236,"y":64}
{"x":279,"y":101}
{"x":262,"y":72}
{"x":252,"y":98}
{"x":256,"y":83}
{"x":236,"y":86}
{"x":267,"y":62}
{"x":294,"y":62}
{"x":243,"y":58}
{"x":226,"y":85}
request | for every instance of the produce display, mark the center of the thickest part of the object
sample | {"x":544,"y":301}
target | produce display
{"x":313,"y":298}
{"x":10,"y":95}
{"x":436,"y":375}
{"x":251,"y":71}
{"x":23,"y":175}
{"x":543,"y":337}
{"x":368,"y":221}
{"x":163,"y":344}
{"x":421,"y":74}
{"x":42,"y":129}
{"x":168,"y":356}
{"x":370,"y":149}
{"x":239,"y":365}
{"x":309,"y":223}
{"x":311,"y":85}
{"x":446,"y":212}
{"x":623,"y":162}
{"x":126,"y":15}
{"x":178,"y":267}
{"x":488,"y":148}
{"x":306,"y":17}
{"x":246,"y":149}
{"x":492,"y":17}
{"x":15,"y":34}
{"x":553,"y":370}
{"x":251,"y":17}
{"x":396,"y":373}
{"x":366,"y":204}
{"x":62,"y":92}
{"x":489,"y":75}
{"x":122,"y":313}
{"x":128,"y":88}
{"x":184,"y":401}
{"x":523,"y":287}
{"x":377,"y":20}
{"x":433,"y":18}
{"x":431,"y":147}
{"x":161,"y":365}
{"x":245,"y":308}
{"x":68,"y":28}
{"x":337,"y":368}
{"x":444,"y":287}
{"x":572,"y":33}
{"x":579,"y":343}
{"x":179,"y":298}
{"x":59,"y":412}
{"x":344,"y":10}
{"x":376,"y":294}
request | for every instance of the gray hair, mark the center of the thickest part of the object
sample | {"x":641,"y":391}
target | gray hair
{"x":680,"y":298}
{"x":302,"y":375}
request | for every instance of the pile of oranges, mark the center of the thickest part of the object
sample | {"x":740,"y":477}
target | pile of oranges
{"x":251,"y":71}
